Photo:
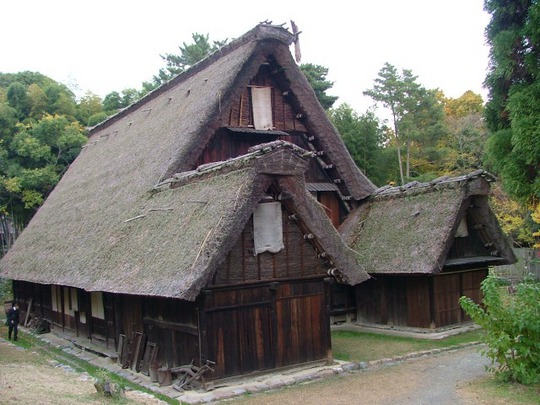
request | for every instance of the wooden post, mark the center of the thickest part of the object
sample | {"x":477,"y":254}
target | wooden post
{"x":432,"y":302}
{"x":273,"y":290}
{"x":28,"y":309}
{"x":203,"y":337}
{"x":328,"y":281}
{"x":62,"y":308}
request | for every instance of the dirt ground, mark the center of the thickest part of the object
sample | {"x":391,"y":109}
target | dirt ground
{"x":443,"y":379}
{"x":28,"y":379}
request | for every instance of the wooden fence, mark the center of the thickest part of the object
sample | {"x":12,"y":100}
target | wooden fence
{"x":528,"y":263}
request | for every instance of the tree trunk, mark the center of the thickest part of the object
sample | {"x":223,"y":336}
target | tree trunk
{"x":408,"y":160}
{"x":398,"y":144}
{"x":400,"y":162}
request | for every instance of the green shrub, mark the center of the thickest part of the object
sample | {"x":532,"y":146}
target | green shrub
{"x":5,"y":291}
{"x":511,"y":328}
{"x":105,"y":385}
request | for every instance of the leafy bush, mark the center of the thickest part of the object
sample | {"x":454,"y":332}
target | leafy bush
{"x":511,"y":328}
{"x":5,"y":291}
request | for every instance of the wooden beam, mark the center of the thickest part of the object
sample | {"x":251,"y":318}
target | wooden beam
{"x":188,"y":329}
{"x":28,"y":309}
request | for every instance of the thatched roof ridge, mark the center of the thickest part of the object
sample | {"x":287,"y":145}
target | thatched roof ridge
{"x":260,"y":32}
{"x":409,"y":229}
{"x":349,"y":268}
{"x":439,"y":183}
{"x":232,"y":164}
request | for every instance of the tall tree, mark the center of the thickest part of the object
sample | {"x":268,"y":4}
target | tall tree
{"x":363,"y":136}
{"x":189,"y":55}
{"x":90,"y":104}
{"x":467,"y":134}
{"x":513,"y":109}
{"x":416,"y":114}
{"x":33,"y":162}
{"x":39,"y":138}
{"x":18,"y":99}
{"x":513,"y":112}
{"x":316,"y":76}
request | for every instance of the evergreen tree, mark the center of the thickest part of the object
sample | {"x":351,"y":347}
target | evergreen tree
{"x":316,"y":76}
{"x":189,"y":55}
{"x":417,"y":121}
{"x":363,"y":137}
{"x":513,"y":109}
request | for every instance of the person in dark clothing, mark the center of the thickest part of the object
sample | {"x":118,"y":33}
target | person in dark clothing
{"x":13,"y":321}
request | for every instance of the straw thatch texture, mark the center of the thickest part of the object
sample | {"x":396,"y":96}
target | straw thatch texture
{"x":171,"y":239}
{"x":121,"y":162}
{"x":409,"y":229}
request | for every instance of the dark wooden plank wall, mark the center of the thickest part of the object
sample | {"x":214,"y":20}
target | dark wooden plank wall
{"x":298,"y":259}
{"x":39,"y":294}
{"x":417,"y":301}
{"x":239,"y":330}
{"x":331,"y":206}
{"x":383,"y":300}
{"x":302,"y":323}
{"x":342,"y":299}
{"x":173,"y":325}
{"x":226,"y":144}
{"x":448,"y":288}
{"x":260,"y":327}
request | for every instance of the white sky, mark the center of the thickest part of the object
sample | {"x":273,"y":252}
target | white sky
{"x":110,"y":45}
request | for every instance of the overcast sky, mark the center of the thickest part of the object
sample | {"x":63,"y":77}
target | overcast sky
{"x":108,"y":45}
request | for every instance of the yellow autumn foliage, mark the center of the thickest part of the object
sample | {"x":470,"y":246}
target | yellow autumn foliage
{"x":512,"y":217}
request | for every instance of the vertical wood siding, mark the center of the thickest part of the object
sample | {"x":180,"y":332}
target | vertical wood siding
{"x":255,"y":328}
{"x":417,"y":301}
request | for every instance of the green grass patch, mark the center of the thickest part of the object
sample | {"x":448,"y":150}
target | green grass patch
{"x":360,"y":346}
{"x":496,"y":391}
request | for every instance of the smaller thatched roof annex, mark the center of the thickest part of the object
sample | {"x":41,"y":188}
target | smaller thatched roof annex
{"x":174,"y":237}
{"x":410,"y":229}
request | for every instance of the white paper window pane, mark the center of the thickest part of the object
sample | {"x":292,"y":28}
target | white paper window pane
{"x":96,"y":299}
{"x":268,"y":228}
{"x":261,"y":98}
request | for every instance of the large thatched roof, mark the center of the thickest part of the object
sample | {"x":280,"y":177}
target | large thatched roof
{"x":171,"y":239}
{"x":81,"y":236}
{"x":410,"y":229}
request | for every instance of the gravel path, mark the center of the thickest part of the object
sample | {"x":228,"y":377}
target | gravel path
{"x":437,"y":379}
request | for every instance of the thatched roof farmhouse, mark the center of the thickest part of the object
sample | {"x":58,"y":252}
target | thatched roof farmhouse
{"x":174,"y":198}
{"x":200,"y":223}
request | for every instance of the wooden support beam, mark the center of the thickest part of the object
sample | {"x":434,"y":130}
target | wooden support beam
{"x":188,"y":329}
